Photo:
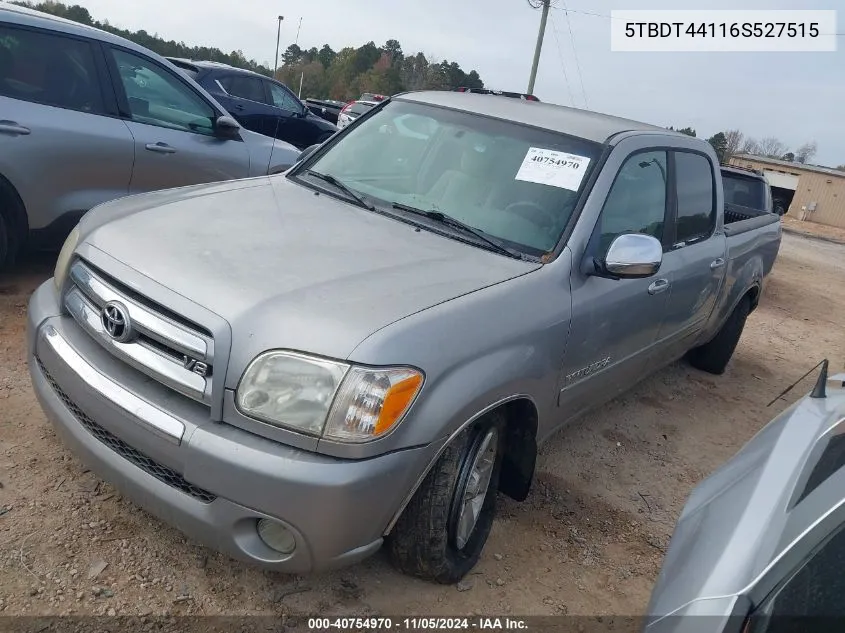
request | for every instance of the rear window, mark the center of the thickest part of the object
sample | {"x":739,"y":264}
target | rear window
{"x":744,"y":191}
{"x":189,"y":72}
{"x":49,"y":69}
{"x":360,"y":108}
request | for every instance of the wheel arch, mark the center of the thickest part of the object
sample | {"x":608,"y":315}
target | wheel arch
{"x":16,"y":219}
{"x":522,"y":421}
{"x":21,"y":219}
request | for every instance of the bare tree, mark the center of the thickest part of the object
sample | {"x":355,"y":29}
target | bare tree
{"x":772,"y":147}
{"x":806,"y":152}
{"x":733,"y":143}
{"x":751,"y":146}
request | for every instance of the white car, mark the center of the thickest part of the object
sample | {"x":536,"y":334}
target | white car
{"x":352,"y":111}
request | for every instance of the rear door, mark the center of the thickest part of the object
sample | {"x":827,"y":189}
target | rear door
{"x":696,"y":258}
{"x":243,"y":96}
{"x":62,"y":144}
{"x":173,"y":127}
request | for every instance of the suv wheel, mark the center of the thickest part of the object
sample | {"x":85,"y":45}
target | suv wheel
{"x":441,"y":533}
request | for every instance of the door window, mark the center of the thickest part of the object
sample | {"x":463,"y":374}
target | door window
{"x":637,"y":200}
{"x":810,"y":596}
{"x":696,"y":199}
{"x":158,"y":97}
{"x":283,"y":99}
{"x":49,"y":69}
{"x":243,"y":86}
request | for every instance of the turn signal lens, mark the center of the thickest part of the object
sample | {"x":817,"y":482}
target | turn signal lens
{"x":371,"y":402}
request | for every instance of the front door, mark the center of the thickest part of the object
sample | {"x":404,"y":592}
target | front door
{"x":173,"y":127}
{"x":615,"y":322}
{"x":696,"y":259}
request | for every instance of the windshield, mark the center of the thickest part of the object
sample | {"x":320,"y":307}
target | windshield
{"x":514,"y":183}
{"x":744,"y":191}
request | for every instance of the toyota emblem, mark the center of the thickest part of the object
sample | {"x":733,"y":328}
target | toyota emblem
{"x":115,"y":319}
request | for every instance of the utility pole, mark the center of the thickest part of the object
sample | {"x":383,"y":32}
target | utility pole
{"x":540,"y":35}
{"x":278,"y":36}
{"x":297,"y":31}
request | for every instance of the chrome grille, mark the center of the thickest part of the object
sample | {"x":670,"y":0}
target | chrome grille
{"x":166,"y":349}
{"x":136,"y":457}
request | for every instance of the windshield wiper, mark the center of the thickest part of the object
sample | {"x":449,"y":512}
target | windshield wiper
{"x":340,"y":185}
{"x":448,"y":220}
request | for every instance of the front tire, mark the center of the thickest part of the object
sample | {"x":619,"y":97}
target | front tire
{"x":443,"y":529}
{"x":713,"y":357}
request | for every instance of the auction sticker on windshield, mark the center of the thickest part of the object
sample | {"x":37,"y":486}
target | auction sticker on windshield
{"x":550,"y":167}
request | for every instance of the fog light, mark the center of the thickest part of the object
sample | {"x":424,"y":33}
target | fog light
{"x":276,"y":536}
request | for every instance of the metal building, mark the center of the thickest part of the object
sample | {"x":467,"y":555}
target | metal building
{"x":808,"y":192}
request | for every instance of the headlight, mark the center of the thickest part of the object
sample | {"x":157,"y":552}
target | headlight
{"x":327,"y":398}
{"x":63,"y":262}
{"x":289,"y":389}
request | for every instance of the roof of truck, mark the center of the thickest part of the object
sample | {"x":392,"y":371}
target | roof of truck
{"x":593,"y":126}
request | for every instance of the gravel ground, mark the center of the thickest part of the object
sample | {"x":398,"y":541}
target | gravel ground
{"x":589,"y":540}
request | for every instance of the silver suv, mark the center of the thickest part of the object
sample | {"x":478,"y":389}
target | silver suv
{"x":86,"y":117}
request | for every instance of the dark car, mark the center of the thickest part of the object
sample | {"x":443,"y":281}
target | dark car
{"x":259,"y":103}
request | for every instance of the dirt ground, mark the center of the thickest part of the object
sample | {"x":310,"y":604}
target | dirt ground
{"x":814,"y":229}
{"x":589,"y":540}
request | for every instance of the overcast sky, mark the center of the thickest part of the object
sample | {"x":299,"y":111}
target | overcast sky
{"x":794,"y":96}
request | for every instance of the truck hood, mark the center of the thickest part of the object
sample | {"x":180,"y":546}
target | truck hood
{"x":286,"y":267}
{"x":734,"y":522}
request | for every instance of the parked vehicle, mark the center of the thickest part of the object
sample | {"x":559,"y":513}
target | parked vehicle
{"x":86,"y":117}
{"x":326,"y":108}
{"x":760,"y":543}
{"x":259,"y":103}
{"x":370,"y":96}
{"x":500,"y":93}
{"x":352,"y":111}
{"x":376,"y":342}
{"x":746,"y":190}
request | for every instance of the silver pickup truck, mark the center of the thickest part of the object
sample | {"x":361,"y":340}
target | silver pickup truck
{"x":297,"y":369}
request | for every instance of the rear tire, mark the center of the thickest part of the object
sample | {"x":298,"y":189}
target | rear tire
{"x":12,"y":234}
{"x":429,"y":541}
{"x":713,"y":357}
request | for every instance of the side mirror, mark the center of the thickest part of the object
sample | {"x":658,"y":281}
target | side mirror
{"x":226,"y":127}
{"x":633,"y":256}
{"x":307,"y":152}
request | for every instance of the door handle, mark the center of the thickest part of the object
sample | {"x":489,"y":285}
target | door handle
{"x":238,"y":106}
{"x":717,"y":263}
{"x":161,"y":148}
{"x":658,"y":286}
{"x":11,"y":127}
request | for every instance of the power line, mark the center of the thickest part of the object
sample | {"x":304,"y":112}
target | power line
{"x":562,"y":63}
{"x":575,"y":54}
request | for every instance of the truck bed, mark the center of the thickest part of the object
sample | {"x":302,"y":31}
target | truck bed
{"x":739,"y":219}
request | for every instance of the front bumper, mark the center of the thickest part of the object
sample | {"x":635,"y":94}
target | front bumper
{"x":209,"y":479}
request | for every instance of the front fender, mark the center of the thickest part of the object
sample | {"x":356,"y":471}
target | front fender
{"x":501,"y":342}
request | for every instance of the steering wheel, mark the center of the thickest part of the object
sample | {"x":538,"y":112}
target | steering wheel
{"x":532,"y":212}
